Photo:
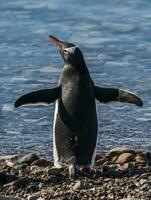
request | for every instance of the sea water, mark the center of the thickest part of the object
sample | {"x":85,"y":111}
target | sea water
{"x":115,"y":38}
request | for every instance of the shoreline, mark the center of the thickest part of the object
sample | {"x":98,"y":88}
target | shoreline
{"x":121,"y":173}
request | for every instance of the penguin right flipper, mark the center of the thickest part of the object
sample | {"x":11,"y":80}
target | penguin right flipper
{"x":45,"y":96}
{"x":106,"y":95}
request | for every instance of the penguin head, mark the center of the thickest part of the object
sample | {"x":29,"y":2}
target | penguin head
{"x":70,"y":53}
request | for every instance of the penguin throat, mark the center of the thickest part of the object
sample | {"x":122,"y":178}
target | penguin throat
{"x":77,"y":61}
{"x":79,"y":65}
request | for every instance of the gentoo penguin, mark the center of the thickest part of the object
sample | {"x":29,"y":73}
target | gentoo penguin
{"x":75,"y":128}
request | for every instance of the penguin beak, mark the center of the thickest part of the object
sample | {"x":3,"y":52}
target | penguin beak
{"x":55,"y":41}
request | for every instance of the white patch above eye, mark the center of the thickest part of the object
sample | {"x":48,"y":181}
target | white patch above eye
{"x":71,"y":49}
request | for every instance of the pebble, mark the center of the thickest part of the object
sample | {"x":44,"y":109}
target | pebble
{"x":111,"y":179}
{"x":2,"y":197}
{"x":77,"y":185}
{"x":32,"y":188}
{"x":32,"y":197}
{"x":81,"y":184}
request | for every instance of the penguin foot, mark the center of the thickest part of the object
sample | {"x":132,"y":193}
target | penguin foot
{"x":72,"y":172}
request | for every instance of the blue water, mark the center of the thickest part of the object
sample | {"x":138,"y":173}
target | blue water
{"x":115,"y":37}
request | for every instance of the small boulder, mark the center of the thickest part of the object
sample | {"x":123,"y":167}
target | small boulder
{"x":112,"y":170}
{"x":28,"y":159}
{"x":139,"y":159}
{"x":19,"y":182}
{"x":52,"y":171}
{"x":41,"y":163}
{"x":3,"y":177}
{"x":125,"y":157}
{"x":116,"y":152}
{"x":37,"y":171}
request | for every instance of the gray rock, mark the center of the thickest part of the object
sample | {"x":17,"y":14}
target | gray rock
{"x":28,"y":159}
{"x":3,"y":177}
{"x":125,"y":157}
{"x":19,"y":182}
{"x":41,"y":163}
{"x":118,"y":151}
{"x":112,"y":171}
{"x":37,"y":171}
{"x":52,"y":171}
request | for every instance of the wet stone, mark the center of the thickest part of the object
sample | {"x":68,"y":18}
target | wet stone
{"x":20,"y":182}
{"x":52,"y":171}
{"x":28,"y":159}
{"x":125,"y":157}
{"x":3,"y":177}
{"x":41,"y":163}
{"x":21,"y":166}
{"x":117,"y":152}
{"x":112,"y":171}
{"x":38,"y":171}
{"x":82,"y":184}
{"x":109,"y":180}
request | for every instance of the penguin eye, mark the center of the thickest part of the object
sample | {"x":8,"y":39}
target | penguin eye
{"x":65,"y":51}
{"x":69,"y":50}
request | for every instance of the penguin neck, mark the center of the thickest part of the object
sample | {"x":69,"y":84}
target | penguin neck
{"x":77,"y":63}
{"x":77,"y":68}
{"x":71,"y":73}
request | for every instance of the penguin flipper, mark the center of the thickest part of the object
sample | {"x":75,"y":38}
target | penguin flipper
{"x":106,"y":95}
{"x":45,"y":96}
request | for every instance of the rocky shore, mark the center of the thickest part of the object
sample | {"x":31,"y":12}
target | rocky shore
{"x":119,"y":175}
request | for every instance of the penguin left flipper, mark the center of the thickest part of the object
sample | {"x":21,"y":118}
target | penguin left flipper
{"x":45,"y":96}
{"x":106,"y":95}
